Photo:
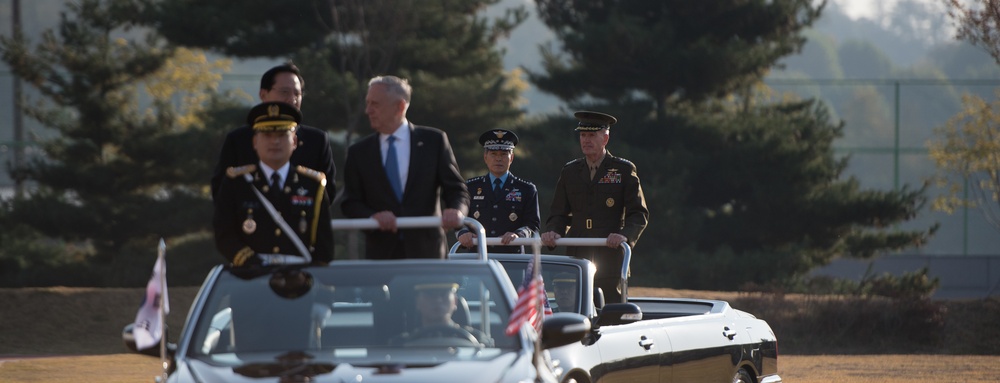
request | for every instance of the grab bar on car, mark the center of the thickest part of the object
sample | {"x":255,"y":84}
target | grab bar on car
{"x":410,"y":223}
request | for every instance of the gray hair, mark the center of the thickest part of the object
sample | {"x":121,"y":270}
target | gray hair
{"x":399,"y":87}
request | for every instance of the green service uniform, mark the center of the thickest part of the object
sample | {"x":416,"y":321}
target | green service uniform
{"x":610,"y":203}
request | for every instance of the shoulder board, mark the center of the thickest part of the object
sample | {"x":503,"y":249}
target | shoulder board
{"x":622,"y":160}
{"x":521,"y":180}
{"x":314,"y":174}
{"x":475,"y":179}
{"x":236,"y":171}
{"x":573,"y":162}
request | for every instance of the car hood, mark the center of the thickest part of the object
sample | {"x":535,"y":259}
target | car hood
{"x":507,"y":367}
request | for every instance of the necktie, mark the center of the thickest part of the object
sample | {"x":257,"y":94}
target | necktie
{"x":497,"y":190}
{"x":392,"y":169}
{"x":275,"y":184}
{"x":275,"y":180}
{"x":593,"y":172}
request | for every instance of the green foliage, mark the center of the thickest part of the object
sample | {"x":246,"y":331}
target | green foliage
{"x":748,"y":188}
{"x":444,"y":47}
{"x":119,"y":172}
{"x":662,"y":49}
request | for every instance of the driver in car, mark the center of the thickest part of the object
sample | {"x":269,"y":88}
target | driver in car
{"x":565,"y":291}
{"x":435,"y":303}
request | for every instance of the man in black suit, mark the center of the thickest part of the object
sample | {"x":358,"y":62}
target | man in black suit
{"x":282,"y":83}
{"x":402,"y":170}
{"x":507,"y":206}
{"x":247,"y":232}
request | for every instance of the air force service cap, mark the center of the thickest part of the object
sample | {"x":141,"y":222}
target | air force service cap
{"x":593,"y":121}
{"x":274,"y":117}
{"x":498,"y":139}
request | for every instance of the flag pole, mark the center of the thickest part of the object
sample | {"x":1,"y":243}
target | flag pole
{"x":536,"y":247}
{"x":162,"y":262}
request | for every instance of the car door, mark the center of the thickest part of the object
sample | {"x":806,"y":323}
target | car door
{"x":630,"y":352}
{"x":706,"y":348}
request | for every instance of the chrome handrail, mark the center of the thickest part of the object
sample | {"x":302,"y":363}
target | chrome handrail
{"x":410,"y":223}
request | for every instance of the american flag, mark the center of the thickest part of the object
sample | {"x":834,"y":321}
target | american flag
{"x":532,"y":291}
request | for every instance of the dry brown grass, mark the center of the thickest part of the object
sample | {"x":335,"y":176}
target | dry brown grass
{"x":82,"y":327}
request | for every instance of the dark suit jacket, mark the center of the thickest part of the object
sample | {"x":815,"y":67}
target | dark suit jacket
{"x":433,"y":179}
{"x":313,"y":152}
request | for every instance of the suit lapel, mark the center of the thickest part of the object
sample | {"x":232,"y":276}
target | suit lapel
{"x":416,"y":152}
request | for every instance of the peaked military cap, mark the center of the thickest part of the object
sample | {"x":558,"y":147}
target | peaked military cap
{"x":274,"y":117}
{"x":594,"y":121}
{"x":498,"y":139}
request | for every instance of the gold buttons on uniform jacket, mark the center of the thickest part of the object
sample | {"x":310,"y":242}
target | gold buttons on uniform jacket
{"x":277,"y":232}
{"x":276,"y":250}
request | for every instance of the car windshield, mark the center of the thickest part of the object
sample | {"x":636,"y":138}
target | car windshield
{"x":562,"y":283}
{"x":357,"y":312}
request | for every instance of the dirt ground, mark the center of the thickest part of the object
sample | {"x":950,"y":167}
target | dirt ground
{"x":792,"y":368}
{"x":79,"y":341}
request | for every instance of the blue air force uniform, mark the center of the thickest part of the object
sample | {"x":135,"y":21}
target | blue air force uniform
{"x":514,"y":209}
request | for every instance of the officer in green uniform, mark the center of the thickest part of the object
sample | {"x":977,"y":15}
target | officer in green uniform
{"x":246,"y":230}
{"x":598,"y":196}
{"x":507,"y":206}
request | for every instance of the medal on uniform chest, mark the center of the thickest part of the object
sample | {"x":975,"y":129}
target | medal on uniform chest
{"x":479,"y":191}
{"x":249,"y":225}
{"x":476,"y":214}
{"x":513,"y":217}
{"x":302,"y":223}
{"x":610,"y":202}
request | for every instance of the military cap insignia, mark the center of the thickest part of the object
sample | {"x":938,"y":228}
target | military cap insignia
{"x":498,"y":139}
{"x":274,"y":117}
{"x":594,"y":121}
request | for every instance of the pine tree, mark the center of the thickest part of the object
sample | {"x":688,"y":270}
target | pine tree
{"x":117,"y":170}
{"x":748,"y":186}
{"x":446,"y":48}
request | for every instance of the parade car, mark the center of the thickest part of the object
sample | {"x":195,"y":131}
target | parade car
{"x":357,"y":321}
{"x":648,"y":339}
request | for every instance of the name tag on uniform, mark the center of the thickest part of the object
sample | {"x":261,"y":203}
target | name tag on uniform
{"x":478,"y":197}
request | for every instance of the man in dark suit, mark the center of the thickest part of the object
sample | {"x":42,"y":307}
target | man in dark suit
{"x":282,"y":83}
{"x":246,"y":231}
{"x":507,"y":206}
{"x":402,"y":170}
{"x":598,"y":196}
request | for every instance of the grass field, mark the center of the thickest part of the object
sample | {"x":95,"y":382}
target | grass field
{"x":76,"y":331}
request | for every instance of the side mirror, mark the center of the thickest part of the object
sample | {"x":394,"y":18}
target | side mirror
{"x":619,"y":313}
{"x":129,"y":340}
{"x":560,"y":329}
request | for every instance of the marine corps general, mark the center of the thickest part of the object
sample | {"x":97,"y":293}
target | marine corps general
{"x":598,"y":196}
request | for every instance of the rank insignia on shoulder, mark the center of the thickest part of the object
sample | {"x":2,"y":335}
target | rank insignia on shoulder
{"x":236,"y":171}
{"x":314,"y":174}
